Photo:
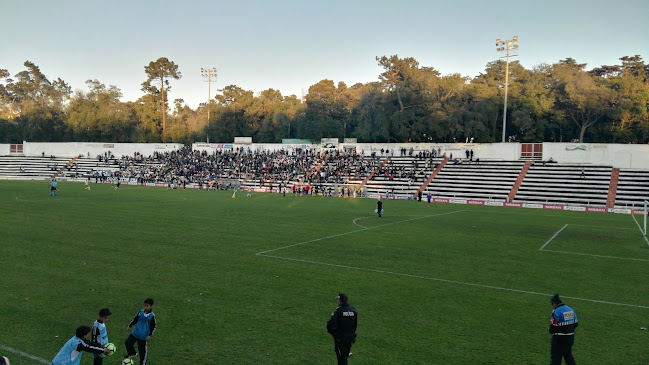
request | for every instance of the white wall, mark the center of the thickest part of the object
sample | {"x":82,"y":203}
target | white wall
{"x":71,"y":149}
{"x":634,"y":156}
{"x":616,"y":155}
{"x":494,"y":151}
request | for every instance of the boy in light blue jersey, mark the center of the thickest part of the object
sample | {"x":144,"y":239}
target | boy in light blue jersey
{"x":54,"y":187}
{"x":145,"y":325}
{"x":100,"y":334}
{"x":71,"y":352}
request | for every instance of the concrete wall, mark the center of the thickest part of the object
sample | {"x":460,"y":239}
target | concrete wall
{"x":617,"y":155}
{"x":71,"y":149}
{"x":635,"y":156}
{"x":494,"y":151}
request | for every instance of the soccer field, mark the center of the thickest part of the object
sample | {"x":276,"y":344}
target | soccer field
{"x":252,"y":280}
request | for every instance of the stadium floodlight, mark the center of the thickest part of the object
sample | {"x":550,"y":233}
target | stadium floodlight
{"x":209,"y":73}
{"x":506,"y":46}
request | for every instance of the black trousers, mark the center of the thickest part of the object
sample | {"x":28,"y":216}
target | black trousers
{"x":141,"y":347}
{"x":561,"y":347}
{"x":97,"y":359}
{"x":342,"y":347}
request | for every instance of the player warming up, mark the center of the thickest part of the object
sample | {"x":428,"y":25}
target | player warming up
{"x":100,"y":334}
{"x":145,"y":325}
{"x":70,"y":353}
{"x":54,"y":187}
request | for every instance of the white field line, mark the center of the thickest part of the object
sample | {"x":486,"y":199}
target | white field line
{"x":553,"y":237}
{"x":592,"y":255}
{"x":584,"y":225}
{"x":358,"y":230}
{"x":556,"y":216}
{"x":354,"y":221}
{"x":24,"y":354}
{"x":640,"y":228}
{"x":453,"y":281}
{"x":369,"y":216}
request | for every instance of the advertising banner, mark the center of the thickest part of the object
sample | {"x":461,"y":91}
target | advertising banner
{"x":517,"y":205}
{"x":533,"y":205}
{"x":494,"y":204}
{"x":594,"y":209}
{"x":475,"y":202}
{"x":554,"y":207}
{"x":574,"y":209}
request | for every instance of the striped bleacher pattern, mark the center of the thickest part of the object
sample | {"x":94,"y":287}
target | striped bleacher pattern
{"x":410,"y":179}
{"x":30,"y":168}
{"x":632,"y":188}
{"x":563,"y":184}
{"x":486,"y":180}
{"x":550,"y":183}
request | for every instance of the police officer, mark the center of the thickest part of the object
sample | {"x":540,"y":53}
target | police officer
{"x":342,"y":328}
{"x":563,"y":322}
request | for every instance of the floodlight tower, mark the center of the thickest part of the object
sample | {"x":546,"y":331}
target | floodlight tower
{"x":209,"y":73}
{"x":506,"y":46}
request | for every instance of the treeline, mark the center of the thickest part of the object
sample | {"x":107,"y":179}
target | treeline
{"x":408,"y":103}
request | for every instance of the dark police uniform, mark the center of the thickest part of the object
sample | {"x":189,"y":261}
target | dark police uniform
{"x":342,"y":327}
{"x":563,"y":322}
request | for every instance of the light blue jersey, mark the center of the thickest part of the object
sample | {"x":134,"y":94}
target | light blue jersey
{"x":103,"y":334}
{"x":100,"y":335}
{"x":69,"y":355}
{"x":143,"y":325}
{"x":53,"y":188}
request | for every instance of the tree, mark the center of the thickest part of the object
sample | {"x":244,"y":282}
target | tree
{"x":99,"y":115}
{"x":580,"y":97}
{"x":158,"y":73}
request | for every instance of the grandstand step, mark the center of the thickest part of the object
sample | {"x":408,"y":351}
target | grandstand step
{"x":519,"y":181}
{"x":432,"y":176}
{"x":612,"y":189}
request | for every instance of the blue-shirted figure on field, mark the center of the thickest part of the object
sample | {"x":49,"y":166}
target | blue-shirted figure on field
{"x":100,"y":334}
{"x":71,"y":352}
{"x":54,"y":187}
{"x":145,"y":325}
{"x":563,"y":322}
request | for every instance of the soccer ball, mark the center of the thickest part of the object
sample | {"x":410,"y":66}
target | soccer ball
{"x":111,"y":347}
{"x":127,"y":362}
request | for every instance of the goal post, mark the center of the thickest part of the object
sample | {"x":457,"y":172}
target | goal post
{"x":645,"y":212}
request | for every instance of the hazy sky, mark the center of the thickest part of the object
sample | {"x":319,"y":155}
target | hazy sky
{"x":291,"y":45}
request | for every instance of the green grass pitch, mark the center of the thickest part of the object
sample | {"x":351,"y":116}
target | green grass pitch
{"x":253,"y":280}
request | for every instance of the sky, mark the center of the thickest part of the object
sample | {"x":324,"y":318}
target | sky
{"x":291,"y":45}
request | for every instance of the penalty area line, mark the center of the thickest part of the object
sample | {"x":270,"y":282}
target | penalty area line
{"x":553,"y":237}
{"x":593,"y":255}
{"x":449,"y":281}
{"x":24,"y":354}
